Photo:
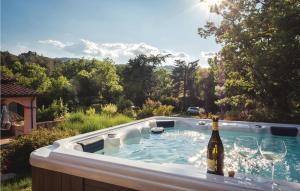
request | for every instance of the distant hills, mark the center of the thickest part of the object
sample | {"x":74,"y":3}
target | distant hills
{"x":8,"y":58}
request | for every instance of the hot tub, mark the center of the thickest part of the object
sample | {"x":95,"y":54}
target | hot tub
{"x":130,"y":157}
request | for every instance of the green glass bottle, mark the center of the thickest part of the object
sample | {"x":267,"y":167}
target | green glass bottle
{"x":215,"y":150}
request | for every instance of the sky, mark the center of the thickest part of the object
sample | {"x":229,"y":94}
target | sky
{"x":118,"y":29}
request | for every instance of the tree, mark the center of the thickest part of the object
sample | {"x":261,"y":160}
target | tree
{"x":139,"y":77}
{"x":183,"y":76}
{"x":163,"y":84}
{"x":61,"y":89}
{"x":34,"y":76}
{"x":205,"y":89}
{"x":97,"y":82}
{"x":260,"y":57}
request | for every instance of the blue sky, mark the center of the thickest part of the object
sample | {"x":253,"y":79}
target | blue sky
{"x":119,"y":29}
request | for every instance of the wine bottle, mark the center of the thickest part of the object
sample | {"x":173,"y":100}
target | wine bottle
{"x":215,"y":150}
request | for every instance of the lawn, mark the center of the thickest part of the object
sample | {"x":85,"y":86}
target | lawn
{"x":84,"y":123}
{"x":19,"y":150}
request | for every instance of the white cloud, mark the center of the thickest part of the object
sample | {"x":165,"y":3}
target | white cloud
{"x":55,"y":43}
{"x":120,"y":52}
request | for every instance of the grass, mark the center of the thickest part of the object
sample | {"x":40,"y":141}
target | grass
{"x":21,"y":183}
{"x":78,"y":122}
{"x":86,"y":123}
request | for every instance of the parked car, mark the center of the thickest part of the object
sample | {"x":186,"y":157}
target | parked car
{"x":193,"y":110}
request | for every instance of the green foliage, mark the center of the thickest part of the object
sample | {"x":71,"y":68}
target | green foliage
{"x":163,"y":110}
{"x":34,"y":76}
{"x":183,"y":77}
{"x":6,"y":71}
{"x":56,"y":110}
{"x":139,"y":78}
{"x":147,"y":109}
{"x":259,"y":60}
{"x":129,"y":112}
{"x":96,"y":81}
{"x":90,"y":111}
{"x":22,"y":183}
{"x":109,"y":109}
{"x":78,"y":82}
{"x":170,"y":101}
{"x":204,"y":89}
{"x":163,"y":83}
{"x":86,"y":123}
{"x":15,"y":157}
{"x":61,"y":88}
{"x":77,"y":117}
{"x":151,"y":108}
{"x":124,"y":104}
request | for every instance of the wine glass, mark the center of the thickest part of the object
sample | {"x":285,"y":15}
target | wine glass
{"x":246,"y":147}
{"x":273,"y":150}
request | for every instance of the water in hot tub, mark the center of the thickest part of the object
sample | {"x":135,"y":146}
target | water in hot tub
{"x":182,"y":145}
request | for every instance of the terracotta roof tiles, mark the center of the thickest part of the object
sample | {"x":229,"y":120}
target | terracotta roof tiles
{"x":9,"y":88}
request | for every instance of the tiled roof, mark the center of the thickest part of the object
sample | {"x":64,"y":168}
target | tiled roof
{"x":6,"y":79}
{"x":9,"y":88}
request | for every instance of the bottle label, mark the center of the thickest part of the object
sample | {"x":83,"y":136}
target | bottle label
{"x":215,"y":126}
{"x":211,"y":165}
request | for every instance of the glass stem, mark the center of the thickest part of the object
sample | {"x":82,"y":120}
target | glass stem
{"x":240,"y":164}
{"x":273,"y":169}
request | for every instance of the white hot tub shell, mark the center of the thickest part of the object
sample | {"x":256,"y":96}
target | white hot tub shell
{"x":67,"y":158}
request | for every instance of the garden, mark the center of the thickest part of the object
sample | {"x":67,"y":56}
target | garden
{"x":15,"y":157}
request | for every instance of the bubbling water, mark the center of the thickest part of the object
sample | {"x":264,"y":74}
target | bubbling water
{"x":182,"y":145}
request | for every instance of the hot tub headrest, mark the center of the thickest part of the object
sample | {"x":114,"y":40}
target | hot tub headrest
{"x":284,"y":131}
{"x":92,"y":145}
{"x":165,"y":123}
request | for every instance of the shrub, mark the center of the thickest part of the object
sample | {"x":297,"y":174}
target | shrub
{"x":151,"y":108}
{"x":109,"y":109}
{"x":77,"y":117}
{"x":171,"y":101}
{"x":15,"y":157}
{"x":97,"y":107}
{"x":56,"y":110}
{"x":164,"y":110}
{"x":90,"y":111}
{"x":124,"y":104}
{"x":147,"y":109}
{"x":129,"y":112}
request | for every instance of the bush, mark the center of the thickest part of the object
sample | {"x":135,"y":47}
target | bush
{"x":56,"y":110}
{"x":164,"y":110}
{"x":97,"y":107}
{"x":151,"y":108}
{"x":124,"y":104}
{"x":15,"y":157}
{"x":129,"y":112}
{"x":77,"y":117}
{"x":147,"y":109}
{"x":86,"y":123}
{"x":90,"y":111}
{"x":109,"y":109}
{"x":171,"y":101}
